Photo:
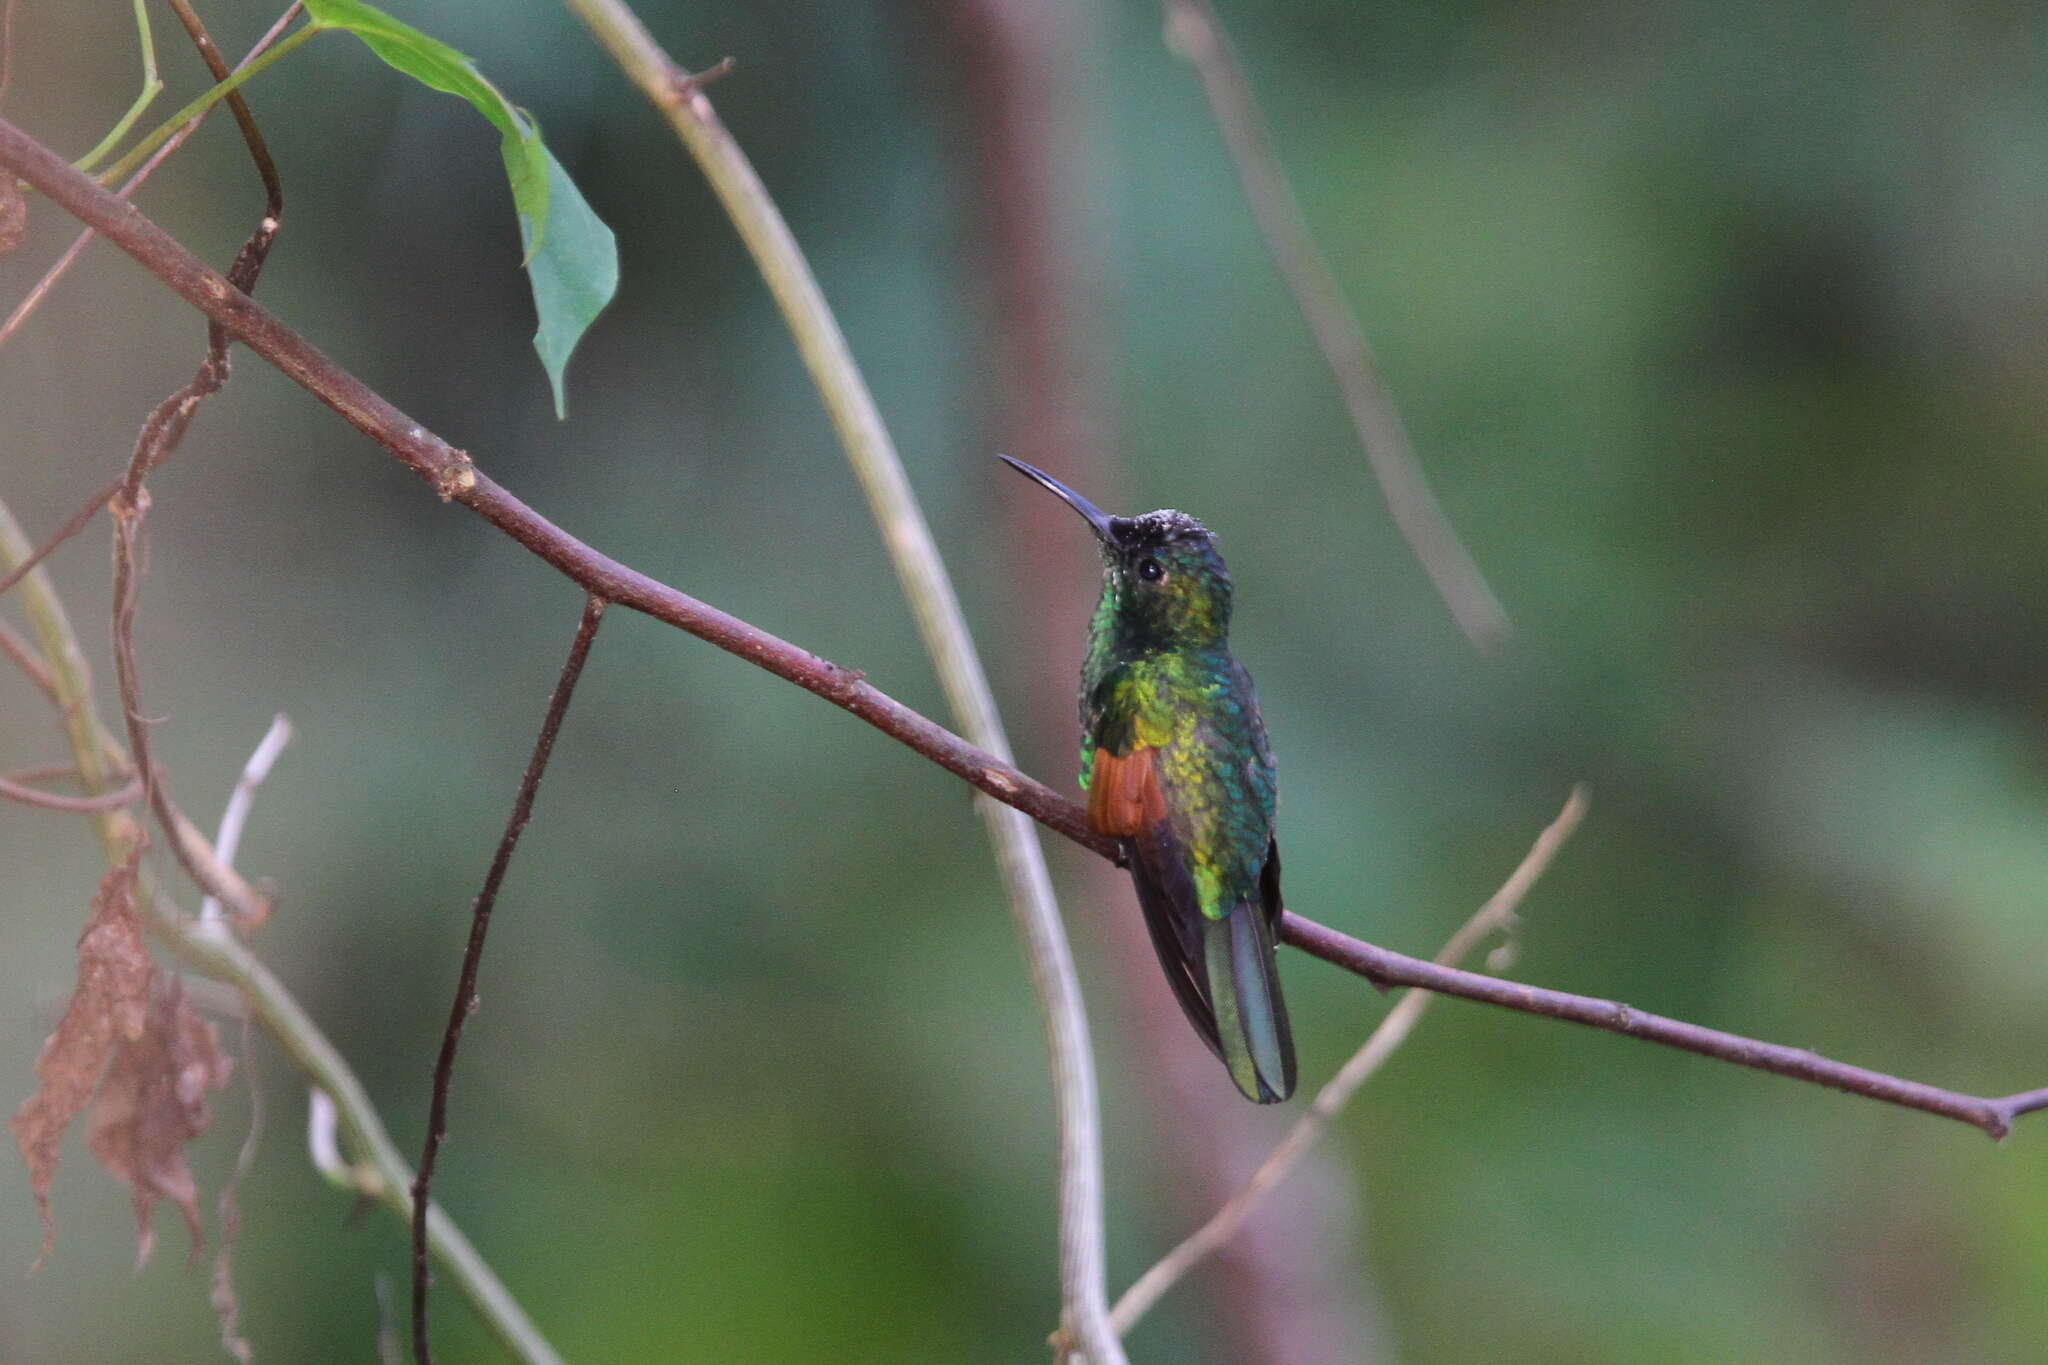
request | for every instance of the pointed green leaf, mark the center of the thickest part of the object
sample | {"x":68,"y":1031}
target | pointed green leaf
{"x":572,"y":279}
{"x":574,"y":272}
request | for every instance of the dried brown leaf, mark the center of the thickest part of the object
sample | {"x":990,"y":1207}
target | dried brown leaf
{"x":152,"y":1103}
{"x":109,"y":1005}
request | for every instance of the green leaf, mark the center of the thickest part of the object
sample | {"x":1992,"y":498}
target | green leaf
{"x":573,"y":278}
{"x":574,"y":272}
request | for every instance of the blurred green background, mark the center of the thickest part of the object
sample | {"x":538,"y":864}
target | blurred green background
{"x":1721,"y":330}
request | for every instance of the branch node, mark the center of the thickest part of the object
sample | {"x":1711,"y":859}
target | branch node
{"x":129,"y":507}
{"x":683,"y":84}
{"x":455,"y":478}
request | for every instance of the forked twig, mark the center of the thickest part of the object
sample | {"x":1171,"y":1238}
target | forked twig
{"x":1193,"y":31}
{"x":472,"y":959}
{"x":1496,"y":916}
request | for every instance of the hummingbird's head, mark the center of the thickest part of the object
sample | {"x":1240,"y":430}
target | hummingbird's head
{"x":1164,"y":582}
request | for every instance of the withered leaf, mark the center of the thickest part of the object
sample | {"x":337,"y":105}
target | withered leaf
{"x":152,"y":1103}
{"x":109,"y":1004}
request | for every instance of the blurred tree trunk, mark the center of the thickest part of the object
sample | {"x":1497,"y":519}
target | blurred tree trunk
{"x":1288,"y":1292}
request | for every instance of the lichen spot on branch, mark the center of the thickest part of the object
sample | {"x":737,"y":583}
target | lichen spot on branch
{"x":456,"y":477}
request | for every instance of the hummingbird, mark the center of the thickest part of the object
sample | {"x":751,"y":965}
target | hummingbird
{"x":1176,"y":765}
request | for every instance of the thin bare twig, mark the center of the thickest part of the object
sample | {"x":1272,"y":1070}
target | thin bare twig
{"x":51,"y":772}
{"x":161,"y":432}
{"x":25,"y":659}
{"x":455,"y":476}
{"x":1496,"y":916}
{"x":472,"y":959}
{"x":1193,"y":31}
{"x":1994,"y":1115}
{"x":228,"y":841}
{"x":34,"y":298}
{"x":217,"y":66}
{"x":78,"y":522}
{"x":15,"y":787}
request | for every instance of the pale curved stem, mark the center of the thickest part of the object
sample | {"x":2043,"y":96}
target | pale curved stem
{"x":1084,"y":1297}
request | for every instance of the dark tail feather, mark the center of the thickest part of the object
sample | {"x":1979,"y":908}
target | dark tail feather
{"x":1251,"y":1018}
{"x":1223,"y":971}
{"x":1177,"y":942}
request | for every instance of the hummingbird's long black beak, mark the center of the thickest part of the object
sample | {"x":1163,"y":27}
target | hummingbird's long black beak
{"x":1097,"y":518}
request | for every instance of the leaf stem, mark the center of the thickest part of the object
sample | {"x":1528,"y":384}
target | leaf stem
{"x":152,"y":86}
{"x":169,"y":127}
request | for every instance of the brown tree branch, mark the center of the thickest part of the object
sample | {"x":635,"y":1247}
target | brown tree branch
{"x":1994,"y":1115}
{"x":472,"y":960}
{"x":455,"y":477}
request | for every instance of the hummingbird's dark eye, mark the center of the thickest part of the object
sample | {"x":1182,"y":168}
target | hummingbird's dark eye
{"x":1151,"y":570}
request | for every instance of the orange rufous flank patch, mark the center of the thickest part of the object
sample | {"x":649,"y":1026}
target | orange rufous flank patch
{"x":1123,"y":793}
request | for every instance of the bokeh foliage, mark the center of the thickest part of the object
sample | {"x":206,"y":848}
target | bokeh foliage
{"x":1720,"y":328}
